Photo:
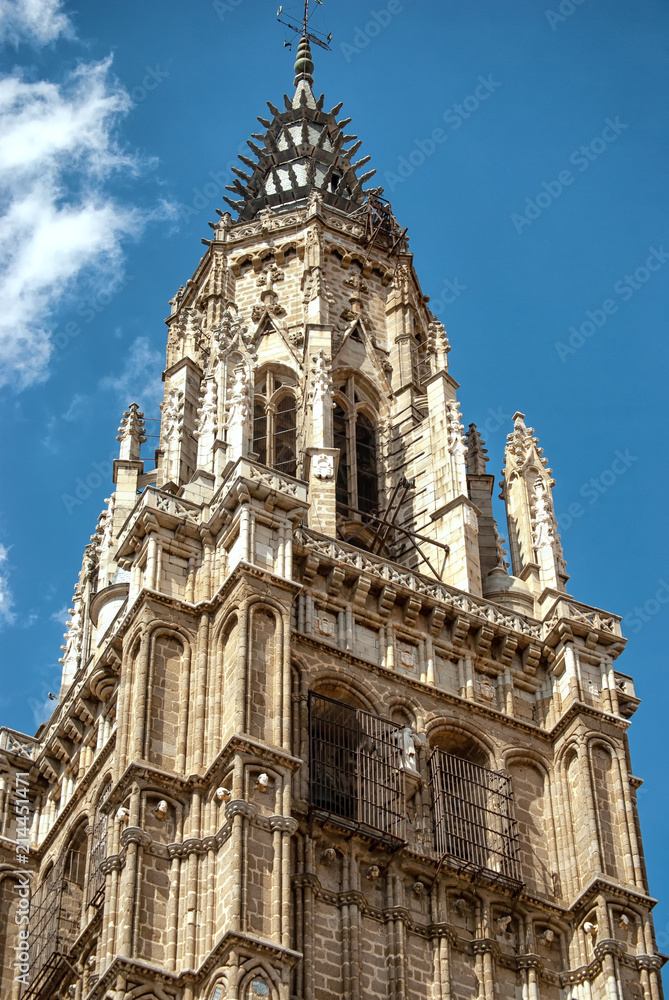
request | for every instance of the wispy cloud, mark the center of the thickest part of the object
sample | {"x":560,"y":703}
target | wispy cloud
{"x":139,"y":380}
{"x":7,"y":614}
{"x":42,"y":710}
{"x":77,"y":408}
{"x":59,"y":220}
{"x":35,"y":21}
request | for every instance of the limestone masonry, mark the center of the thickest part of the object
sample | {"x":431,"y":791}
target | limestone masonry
{"x":313,"y":739}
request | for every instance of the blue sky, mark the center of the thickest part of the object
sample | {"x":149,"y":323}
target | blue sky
{"x":524,"y":148}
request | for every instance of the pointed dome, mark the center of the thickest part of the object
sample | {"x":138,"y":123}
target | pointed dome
{"x":302,"y":150}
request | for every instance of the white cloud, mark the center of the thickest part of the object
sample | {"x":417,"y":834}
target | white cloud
{"x":7,"y":614}
{"x":139,"y":380}
{"x":58,"y":220}
{"x":36,"y":21}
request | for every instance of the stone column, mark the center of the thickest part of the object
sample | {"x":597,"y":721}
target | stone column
{"x":322,"y":458}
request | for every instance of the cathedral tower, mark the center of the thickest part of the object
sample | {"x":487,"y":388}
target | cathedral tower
{"x":313,"y":739}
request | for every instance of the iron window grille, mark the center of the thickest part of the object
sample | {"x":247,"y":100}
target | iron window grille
{"x":355,"y":768}
{"x":98,"y":851}
{"x":55,"y":919}
{"x":474,"y":819}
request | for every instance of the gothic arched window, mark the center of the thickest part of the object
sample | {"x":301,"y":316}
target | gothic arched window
{"x":274,"y":423}
{"x":356,"y":438}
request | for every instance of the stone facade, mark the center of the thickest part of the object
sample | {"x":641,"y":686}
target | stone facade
{"x":313,"y":739}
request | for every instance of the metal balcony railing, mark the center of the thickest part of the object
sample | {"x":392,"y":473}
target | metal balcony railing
{"x":474,"y":820}
{"x":355,"y":768}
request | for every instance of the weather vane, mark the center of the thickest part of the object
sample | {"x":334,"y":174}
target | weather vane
{"x":314,"y":36}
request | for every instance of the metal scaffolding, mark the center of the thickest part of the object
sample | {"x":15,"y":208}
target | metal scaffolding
{"x":355,"y":768}
{"x":474,"y":819}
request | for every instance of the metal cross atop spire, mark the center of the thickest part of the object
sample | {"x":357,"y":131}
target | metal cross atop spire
{"x":313,"y":36}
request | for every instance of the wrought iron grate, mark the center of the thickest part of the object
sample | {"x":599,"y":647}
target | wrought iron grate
{"x":98,"y":851}
{"x":474,"y":816}
{"x":355,"y":766}
{"x":55,"y":916}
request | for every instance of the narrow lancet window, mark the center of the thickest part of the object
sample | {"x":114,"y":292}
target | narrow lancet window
{"x":355,"y":436}
{"x":340,"y":442}
{"x":275,"y":424}
{"x":366,"y":467}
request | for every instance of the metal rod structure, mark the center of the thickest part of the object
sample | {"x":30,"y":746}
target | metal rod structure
{"x":410,"y":535}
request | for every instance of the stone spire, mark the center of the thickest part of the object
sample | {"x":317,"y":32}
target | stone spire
{"x":131,"y":434}
{"x":301,"y":150}
{"x":480,"y":486}
{"x":534,"y":543}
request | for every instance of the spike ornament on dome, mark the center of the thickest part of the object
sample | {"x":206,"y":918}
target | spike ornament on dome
{"x":301,"y":150}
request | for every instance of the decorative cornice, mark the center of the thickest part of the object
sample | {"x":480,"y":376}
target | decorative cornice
{"x":602,"y":886}
{"x":80,"y":790}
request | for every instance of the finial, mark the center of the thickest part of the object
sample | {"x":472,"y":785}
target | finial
{"x":304,"y":66}
{"x":131,"y":433}
{"x":477,"y":454}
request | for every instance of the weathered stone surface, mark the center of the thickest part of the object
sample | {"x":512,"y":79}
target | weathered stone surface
{"x":318,"y":526}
